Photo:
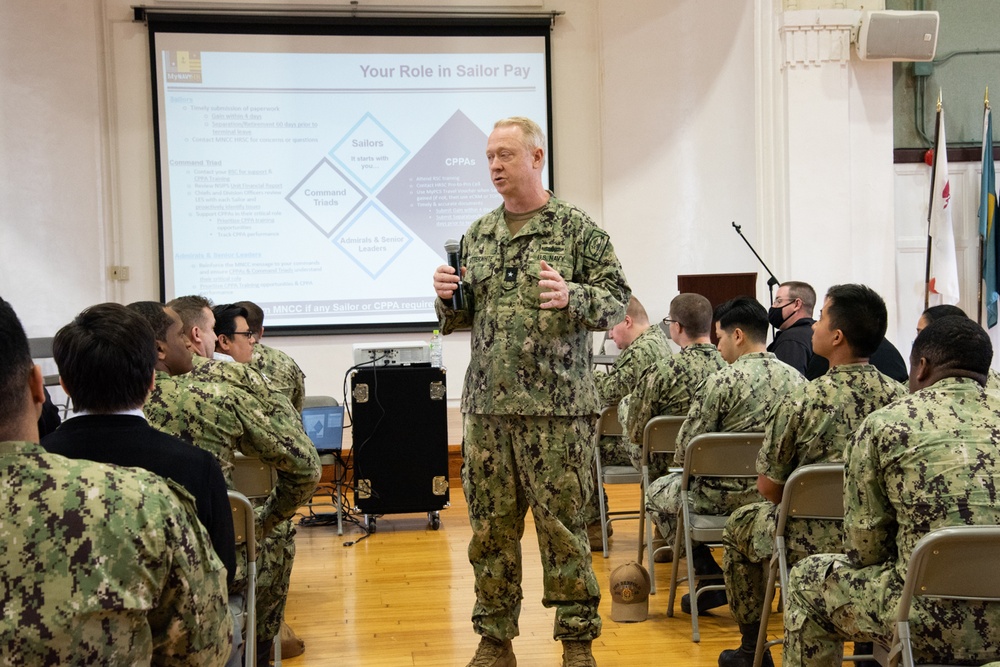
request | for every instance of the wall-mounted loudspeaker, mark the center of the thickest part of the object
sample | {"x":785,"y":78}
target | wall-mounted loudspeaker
{"x":898,"y":35}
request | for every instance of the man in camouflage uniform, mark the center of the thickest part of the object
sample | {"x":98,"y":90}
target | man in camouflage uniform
{"x":277,"y":366}
{"x":927,"y":461}
{"x":225,"y":407}
{"x":641,"y":346}
{"x":101,"y":565}
{"x":668,"y":387}
{"x":539,"y":276}
{"x":935,"y":313}
{"x":738,"y":398}
{"x":813,"y":424}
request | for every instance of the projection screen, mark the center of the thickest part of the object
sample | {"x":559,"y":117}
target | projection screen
{"x":318,"y":169}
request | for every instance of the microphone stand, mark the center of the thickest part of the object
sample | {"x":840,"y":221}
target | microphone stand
{"x":772,"y":282}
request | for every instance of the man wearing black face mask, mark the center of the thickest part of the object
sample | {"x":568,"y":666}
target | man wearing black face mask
{"x":791,"y":314}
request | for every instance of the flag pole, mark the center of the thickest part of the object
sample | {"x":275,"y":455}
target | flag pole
{"x":930,"y":205}
{"x":982,"y":239}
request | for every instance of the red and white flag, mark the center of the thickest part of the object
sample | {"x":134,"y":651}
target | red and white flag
{"x":944,"y":263}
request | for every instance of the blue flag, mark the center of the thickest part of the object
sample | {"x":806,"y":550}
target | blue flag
{"x":987,"y":220}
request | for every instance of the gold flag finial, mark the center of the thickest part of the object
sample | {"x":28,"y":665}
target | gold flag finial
{"x":939,"y":101}
{"x":986,"y":99}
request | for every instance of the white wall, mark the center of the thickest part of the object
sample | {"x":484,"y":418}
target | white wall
{"x":660,"y":113}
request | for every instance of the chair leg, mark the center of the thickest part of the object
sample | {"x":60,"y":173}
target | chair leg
{"x":675,"y":565}
{"x":650,"y":527}
{"x":277,"y":649}
{"x":765,"y":614}
{"x":599,"y":490}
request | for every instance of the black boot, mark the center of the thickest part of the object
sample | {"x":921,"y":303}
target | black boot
{"x":704,"y":566}
{"x":743,"y":656}
{"x":264,"y":653}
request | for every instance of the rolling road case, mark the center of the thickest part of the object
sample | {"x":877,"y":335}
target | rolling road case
{"x":400,"y":441}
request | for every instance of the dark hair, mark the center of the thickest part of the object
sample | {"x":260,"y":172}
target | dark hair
{"x":935,"y":313}
{"x":859,"y":312}
{"x":800,"y":290}
{"x":155,"y":315}
{"x":255,"y":316}
{"x":693,"y":312}
{"x":746,"y":313}
{"x":225,"y":318}
{"x":954,"y":343}
{"x":191,"y":310}
{"x":15,"y":367}
{"x":106,"y":357}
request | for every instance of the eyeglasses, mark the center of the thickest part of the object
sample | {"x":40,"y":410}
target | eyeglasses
{"x":783,"y":302}
{"x":667,"y":321}
{"x":248,"y":334}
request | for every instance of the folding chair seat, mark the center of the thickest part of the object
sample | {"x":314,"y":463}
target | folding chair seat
{"x":659,"y":438}
{"x":813,"y":491}
{"x":608,"y":425}
{"x":243,"y":525}
{"x":954,"y":563}
{"x":709,"y":455}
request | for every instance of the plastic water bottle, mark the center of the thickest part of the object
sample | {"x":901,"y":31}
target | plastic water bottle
{"x":437,"y":355}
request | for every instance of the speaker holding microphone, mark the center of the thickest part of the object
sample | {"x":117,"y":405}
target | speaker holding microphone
{"x":453,"y":251}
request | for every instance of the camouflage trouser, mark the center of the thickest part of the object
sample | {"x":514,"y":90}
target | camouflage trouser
{"x":749,"y":544}
{"x":512,"y":463}
{"x":275,"y":557}
{"x":707,"y":496}
{"x":830,"y":602}
{"x":614,"y":452}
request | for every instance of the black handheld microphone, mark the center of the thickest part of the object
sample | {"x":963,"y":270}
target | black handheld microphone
{"x":453,"y":250}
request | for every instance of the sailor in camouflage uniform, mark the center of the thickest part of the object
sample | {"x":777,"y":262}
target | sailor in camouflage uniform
{"x":100,"y":565}
{"x":224,"y":408}
{"x":668,"y":387}
{"x":278,"y":367}
{"x":813,"y":424}
{"x":946,"y":310}
{"x":539,"y":276}
{"x":738,"y":398}
{"x":927,"y":461}
{"x":641,"y":346}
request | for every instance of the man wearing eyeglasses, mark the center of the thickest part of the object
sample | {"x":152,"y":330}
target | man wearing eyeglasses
{"x":234,"y":341}
{"x":791,"y":314}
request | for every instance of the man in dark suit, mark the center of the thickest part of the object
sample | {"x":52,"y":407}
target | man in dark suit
{"x":106,"y":358}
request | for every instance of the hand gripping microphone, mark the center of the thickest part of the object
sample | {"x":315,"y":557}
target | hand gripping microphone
{"x":453,"y":250}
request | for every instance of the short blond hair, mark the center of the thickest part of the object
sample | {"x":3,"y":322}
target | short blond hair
{"x":531,"y":134}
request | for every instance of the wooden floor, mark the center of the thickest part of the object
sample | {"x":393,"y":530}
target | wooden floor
{"x":403,"y":596}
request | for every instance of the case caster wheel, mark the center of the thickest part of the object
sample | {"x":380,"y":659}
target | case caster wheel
{"x":434,"y":519}
{"x":370,"y":525}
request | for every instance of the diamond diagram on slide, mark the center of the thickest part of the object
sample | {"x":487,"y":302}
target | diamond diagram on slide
{"x":369,"y":152}
{"x":372,"y":240}
{"x":326,"y":197}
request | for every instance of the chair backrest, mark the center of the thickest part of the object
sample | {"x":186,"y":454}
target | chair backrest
{"x":659,"y":436}
{"x":607,"y":423}
{"x":721,"y":455}
{"x":252,"y":477}
{"x":814,"y":491}
{"x":318,"y":401}
{"x":243,"y":526}
{"x":957,"y":562}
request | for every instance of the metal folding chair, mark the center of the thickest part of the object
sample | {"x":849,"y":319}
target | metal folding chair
{"x":609,"y":425}
{"x":659,"y":438}
{"x":243,"y":525}
{"x":812,"y":492}
{"x":255,"y":479}
{"x":708,"y":455}
{"x":955,"y":563}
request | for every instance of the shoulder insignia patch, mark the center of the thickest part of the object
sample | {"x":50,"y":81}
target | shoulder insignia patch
{"x":595,"y":245}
